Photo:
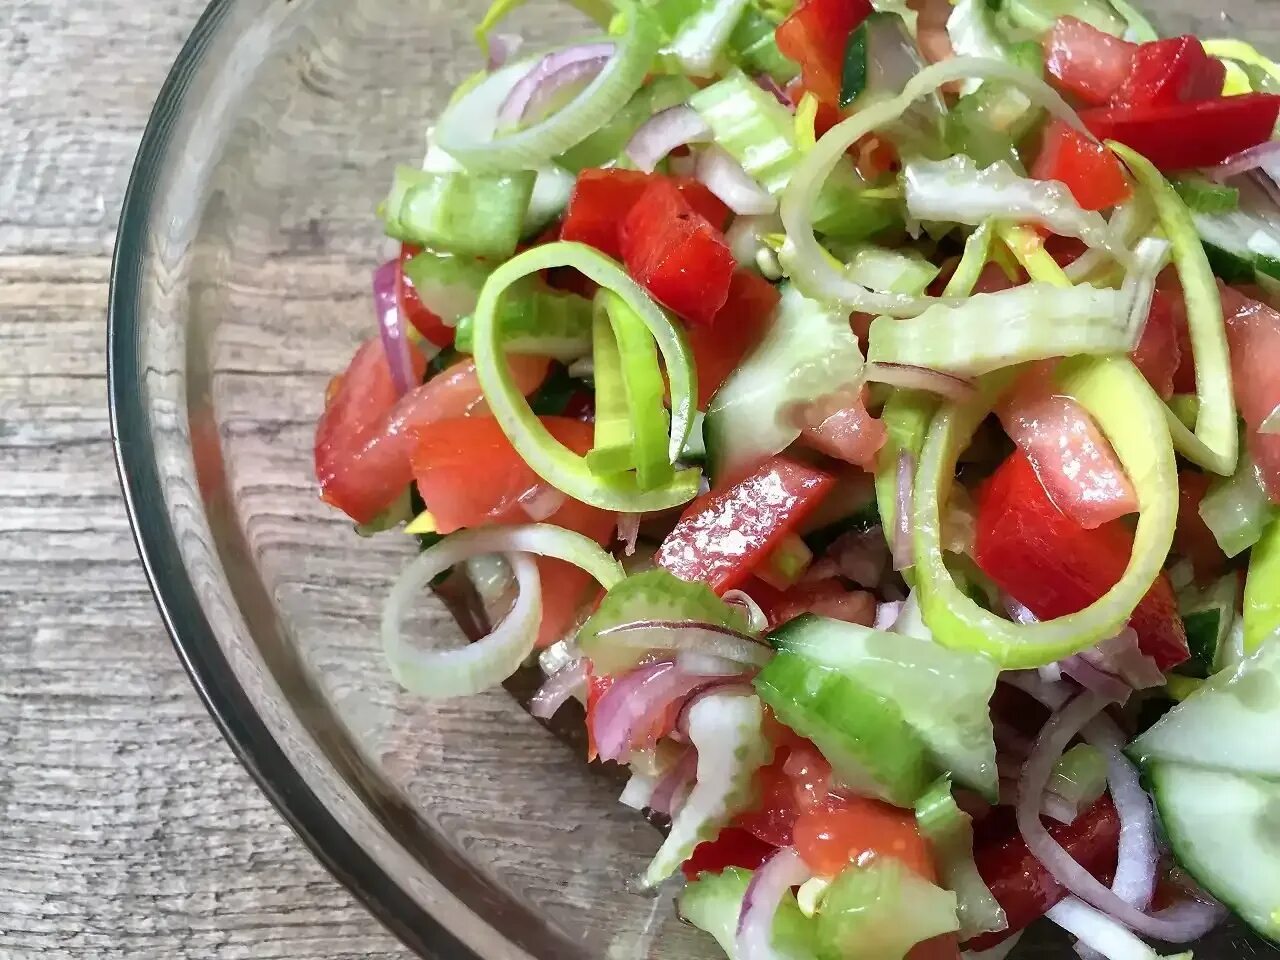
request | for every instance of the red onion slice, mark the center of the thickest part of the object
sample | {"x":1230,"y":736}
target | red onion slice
{"x":887,"y":614}
{"x":502,"y":47}
{"x":1053,"y":694}
{"x":1053,"y":740}
{"x":674,"y":782}
{"x":1122,"y":656}
{"x":1017,"y":612}
{"x":861,"y":556}
{"x":635,"y":710}
{"x":540,"y":501}
{"x":555,"y":74}
{"x":757,"y":622}
{"x":1262,"y":156}
{"x":922,"y":378}
{"x":1094,"y":680}
{"x":662,"y":133}
{"x":1135,"y":877}
{"x":724,"y":176}
{"x":569,"y":681}
{"x":769,"y":85}
{"x":395,"y":343}
{"x":904,"y":553}
{"x":769,"y":884}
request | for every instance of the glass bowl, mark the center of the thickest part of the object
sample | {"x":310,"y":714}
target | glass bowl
{"x":240,"y":286}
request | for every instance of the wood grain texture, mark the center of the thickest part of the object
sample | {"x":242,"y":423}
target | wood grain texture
{"x":127,"y":827}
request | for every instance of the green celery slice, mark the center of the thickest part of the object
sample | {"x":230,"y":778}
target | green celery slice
{"x":977,"y":250}
{"x":460,"y":212}
{"x":753,"y":47}
{"x":906,"y":416}
{"x":880,"y":910}
{"x":1237,"y":510}
{"x":612,"y":451}
{"x":1132,"y":418}
{"x":447,"y":285}
{"x":949,"y":831}
{"x":1216,"y":443}
{"x":713,"y":902}
{"x":642,"y":382}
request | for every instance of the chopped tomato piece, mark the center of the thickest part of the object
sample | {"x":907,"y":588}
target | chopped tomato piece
{"x":1193,"y":538}
{"x":825,"y":598}
{"x":829,"y":840}
{"x":1253,"y":336}
{"x":1065,"y":250}
{"x":1022,"y":885}
{"x":601,"y":200}
{"x":1088,"y":169}
{"x":413,"y":309}
{"x":841,"y":427}
{"x":597,"y":686}
{"x":1072,"y":459}
{"x":470,"y":475}
{"x":723,"y":535}
{"x":815,"y":35}
{"x":1087,"y":62}
{"x":1182,"y":135}
{"x":719,"y":347}
{"x":677,"y":254}
{"x":1158,"y":354}
{"x":773,"y":817}
{"x":1054,"y":566}
{"x":931,"y":29}
{"x":731,"y":848}
{"x":1176,"y":70}
{"x":945,"y":946}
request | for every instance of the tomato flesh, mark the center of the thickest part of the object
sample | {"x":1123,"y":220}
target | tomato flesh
{"x":678,"y":255}
{"x":566,"y":587}
{"x":814,"y":36}
{"x":723,"y":535}
{"x":720,"y":346}
{"x":1253,"y":337}
{"x":830,"y":840}
{"x":1193,"y":538}
{"x":1176,"y":70}
{"x":1088,"y":169}
{"x":732,"y":847}
{"x":1182,"y":135}
{"x":1055,"y":567}
{"x":841,"y":426}
{"x":601,"y":200}
{"x":1158,"y":355}
{"x":1075,"y":464}
{"x":1023,"y":887}
{"x":1085,"y":61}
{"x":825,"y":598}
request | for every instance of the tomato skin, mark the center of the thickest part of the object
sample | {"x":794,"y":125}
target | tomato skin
{"x":597,"y":686}
{"x":1253,"y":337}
{"x":1088,"y":169}
{"x":723,"y":535}
{"x":732,"y":847}
{"x":677,"y":254}
{"x":1023,"y":887}
{"x":1182,"y":135}
{"x":737,"y":328}
{"x":1193,"y":538}
{"x":814,"y":36}
{"x":1175,"y":70}
{"x":1056,"y":567}
{"x":470,"y":475}
{"x":772,"y":820}
{"x":1087,"y":62}
{"x":1158,"y":355}
{"x":841,"y":427}
{"x":566,"y":586}
{"x":601,"y":200}
{"x":413,"y":309}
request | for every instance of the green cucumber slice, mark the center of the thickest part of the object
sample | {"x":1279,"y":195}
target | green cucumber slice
{"x":1224,"y":830}
{"x":871,"y":748}
{"x":1230,"y":724}
{"x":942,"y":694}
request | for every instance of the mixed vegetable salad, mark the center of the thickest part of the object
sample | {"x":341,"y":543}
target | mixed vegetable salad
{"x":870,"y":411}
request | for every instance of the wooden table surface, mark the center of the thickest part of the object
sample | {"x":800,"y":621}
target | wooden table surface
{"x":127,"y":827}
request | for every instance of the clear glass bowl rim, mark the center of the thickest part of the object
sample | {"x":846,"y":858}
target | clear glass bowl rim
{"x":176,"y":597}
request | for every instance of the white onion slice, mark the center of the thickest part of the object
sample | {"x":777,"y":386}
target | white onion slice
{"x":663,"y":132}
{"x":757,"y":621}
{"x":395,"y":342}
{"x":724,"y":176}
{"x":769,"y":884}
{"x":887,"y":614}
{"x":487,"y":662}
{"x":1149,"y":258}
{"x":911,"y":377}
{"x":541,"y":501}
{"x":569,"y":681}
{"x":1263,"y":156}
{"x":1099,"y":932}
{"x":551,"y":75}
